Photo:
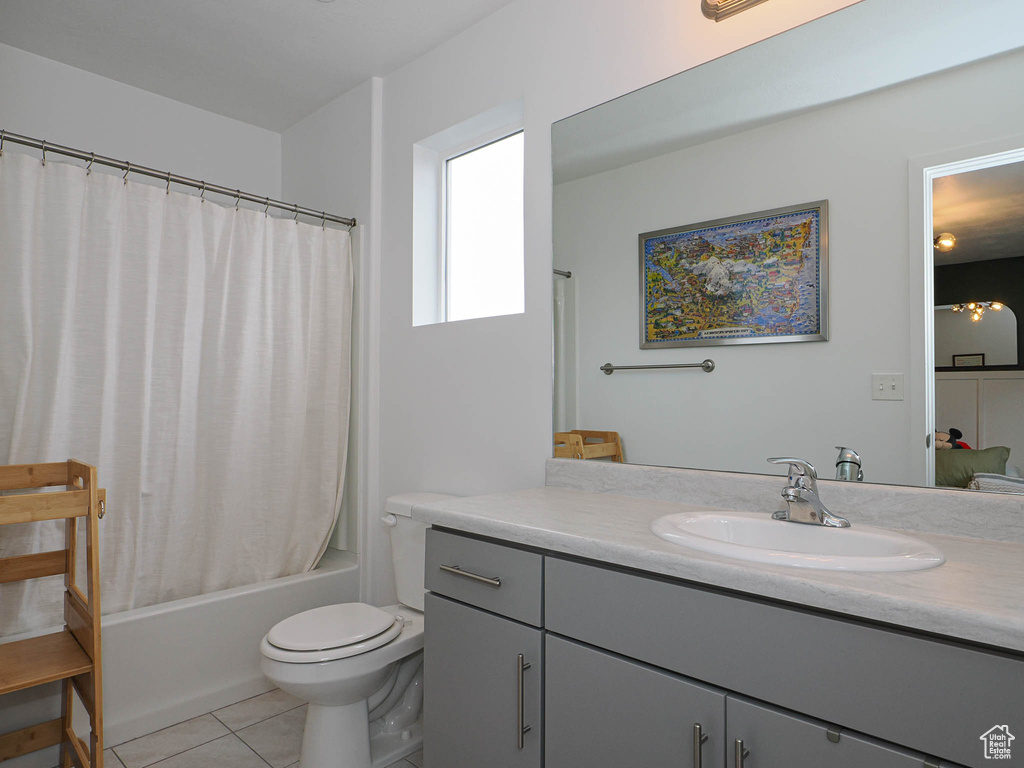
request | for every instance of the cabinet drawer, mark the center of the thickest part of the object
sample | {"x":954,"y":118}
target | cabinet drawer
{"x":496,"y":578}
{"x":939,"y":697}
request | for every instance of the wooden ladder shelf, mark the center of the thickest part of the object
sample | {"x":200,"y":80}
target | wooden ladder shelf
{"x":588,"y":444}
{"x":71,"y":655}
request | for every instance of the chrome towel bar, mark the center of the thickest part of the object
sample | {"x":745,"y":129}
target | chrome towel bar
{"x":707,"y":366}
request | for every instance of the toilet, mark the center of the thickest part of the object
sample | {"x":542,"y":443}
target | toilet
{"x":360,"y":667}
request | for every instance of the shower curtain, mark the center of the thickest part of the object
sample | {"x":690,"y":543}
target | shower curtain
{"x":198,"y":355}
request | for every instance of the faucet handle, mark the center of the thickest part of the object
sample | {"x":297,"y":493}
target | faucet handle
{"x":798,"y":468}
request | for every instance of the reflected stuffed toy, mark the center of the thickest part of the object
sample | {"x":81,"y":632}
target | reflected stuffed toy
{"x":947,"y":440}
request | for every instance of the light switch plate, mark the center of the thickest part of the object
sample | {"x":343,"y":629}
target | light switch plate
{"x":887,"y":386}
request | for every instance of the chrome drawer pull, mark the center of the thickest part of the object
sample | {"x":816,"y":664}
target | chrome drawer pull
{"x":454,"y":569}
{"x":521,"y":666}
{"x":699,"y":737}
{"x":741,"y":753}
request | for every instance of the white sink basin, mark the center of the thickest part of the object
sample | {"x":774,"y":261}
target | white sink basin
{"x":761,"y":539}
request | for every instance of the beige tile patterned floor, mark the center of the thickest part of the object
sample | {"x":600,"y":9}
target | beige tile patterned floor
{"x":263,"y":731}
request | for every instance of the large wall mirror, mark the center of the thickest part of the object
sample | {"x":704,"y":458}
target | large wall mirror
{"x":842,"y":109}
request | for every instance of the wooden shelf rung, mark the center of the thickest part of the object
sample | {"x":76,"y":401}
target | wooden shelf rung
{"x":39,"y":660}
{"x":31,"y":739}
{"x":37,"y":507}
{"x":17,"y":476}
{"x":34,"y":566}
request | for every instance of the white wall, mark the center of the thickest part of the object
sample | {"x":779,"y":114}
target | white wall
{"x":326,"y":156}
{"x":47,"y":100}
{"x":774,"y":399}
{"x":466,"y":407}
{"x":330,"y":162}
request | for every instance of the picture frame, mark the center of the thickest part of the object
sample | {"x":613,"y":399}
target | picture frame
{"x":758,"y":278}
{"x":975,"y":360}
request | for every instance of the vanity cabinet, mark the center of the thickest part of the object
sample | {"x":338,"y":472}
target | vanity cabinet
{"x":929,"y":695}
{"x":604,"y":711}
{"x":633,"y":663}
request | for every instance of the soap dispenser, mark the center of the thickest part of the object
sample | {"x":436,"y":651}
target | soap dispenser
{"x":848,"y":464}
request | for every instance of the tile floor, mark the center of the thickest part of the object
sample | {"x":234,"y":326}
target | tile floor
{"x":265,"y":730}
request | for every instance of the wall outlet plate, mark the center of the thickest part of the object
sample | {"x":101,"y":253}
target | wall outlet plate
{"x":887,"y":386}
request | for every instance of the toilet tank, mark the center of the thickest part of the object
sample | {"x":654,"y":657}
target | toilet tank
{"x":408,"y":544}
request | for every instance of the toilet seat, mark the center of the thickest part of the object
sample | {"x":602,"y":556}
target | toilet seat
{"x":331,"y":632}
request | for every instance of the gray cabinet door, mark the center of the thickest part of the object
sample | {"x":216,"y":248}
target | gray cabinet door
{"x":604,"y":711}
{"x":472,"y":708}
{"x":778,"y":739}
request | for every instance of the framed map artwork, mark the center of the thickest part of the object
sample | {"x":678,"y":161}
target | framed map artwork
{"x":752,"y":279}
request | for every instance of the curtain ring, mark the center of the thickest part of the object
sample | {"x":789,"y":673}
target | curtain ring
{"x":202,"y":195}
{"x":3,"y":135}
{"x":126,"y":171}
{"x":238,"y":198}
{"x":266,"y":206}
{"x":323,"y":220}
{"x":168,"y":183}
{"x":295,"y":218}
{"x":92,"y":159}
{"x":44,"y":151}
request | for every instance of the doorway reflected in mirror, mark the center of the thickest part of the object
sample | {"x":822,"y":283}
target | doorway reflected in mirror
{"x":978,"y":280}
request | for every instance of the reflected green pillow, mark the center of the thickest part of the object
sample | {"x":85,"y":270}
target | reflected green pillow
{"x":954,"y":469}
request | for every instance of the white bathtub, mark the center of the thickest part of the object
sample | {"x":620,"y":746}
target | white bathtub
{"x":174,"y":661}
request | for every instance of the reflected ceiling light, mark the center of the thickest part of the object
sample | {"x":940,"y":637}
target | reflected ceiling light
{"x":977,"y":308}
{"x":944,"y":242}
{"x":723,"y":9}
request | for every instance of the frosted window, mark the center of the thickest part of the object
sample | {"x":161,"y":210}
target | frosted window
{"x":484,"y":254}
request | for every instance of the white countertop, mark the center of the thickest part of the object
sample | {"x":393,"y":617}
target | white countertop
{"x":977,"y":595}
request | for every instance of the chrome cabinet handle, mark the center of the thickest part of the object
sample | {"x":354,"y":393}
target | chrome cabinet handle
{"x":454,"y":569}
{"x":741,"y":753}
{"x":521,"y":666}
{"x":699,"y":737}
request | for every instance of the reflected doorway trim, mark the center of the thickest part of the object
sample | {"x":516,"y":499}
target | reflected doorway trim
{"x":923,"y":172}
{"x":723,"y":9}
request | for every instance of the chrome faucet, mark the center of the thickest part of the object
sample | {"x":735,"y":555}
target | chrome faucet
{"x":801,"y":495}
{"x":848,"y":465}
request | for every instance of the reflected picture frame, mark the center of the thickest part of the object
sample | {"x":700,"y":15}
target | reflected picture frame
{"x":757,"y":278}
{"x":974,"y":360}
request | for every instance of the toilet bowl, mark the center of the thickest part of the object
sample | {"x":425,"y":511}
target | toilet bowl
{"x":338,"y":681}
{"x":359,"y":666}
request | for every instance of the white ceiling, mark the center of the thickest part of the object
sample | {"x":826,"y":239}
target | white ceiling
{"x":266,"y":62}
{"x":842,"y":55}
{"x":985,"y":212}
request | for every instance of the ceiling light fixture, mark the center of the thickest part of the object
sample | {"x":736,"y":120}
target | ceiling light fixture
{"x":723,"y":9}
{"x":977,"y":308}
{"x":944,"y":242}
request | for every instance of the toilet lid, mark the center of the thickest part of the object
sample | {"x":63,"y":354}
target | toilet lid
{"x":331,"y":626}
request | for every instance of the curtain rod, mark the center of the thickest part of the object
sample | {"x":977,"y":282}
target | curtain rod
{"x":169,"y":177}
